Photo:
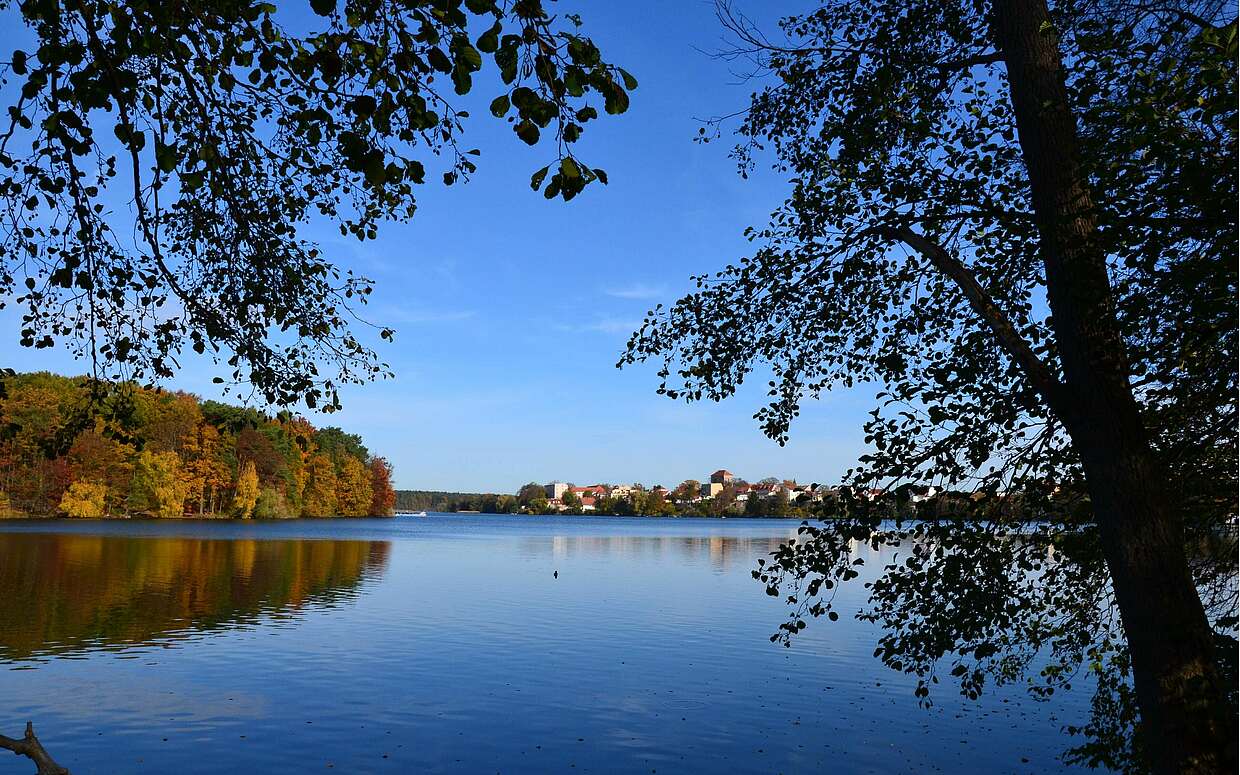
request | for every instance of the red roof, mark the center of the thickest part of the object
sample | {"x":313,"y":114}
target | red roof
{"x":587,"y":501}
{"x":722,"y":472}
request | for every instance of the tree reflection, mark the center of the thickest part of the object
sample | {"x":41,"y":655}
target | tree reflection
{"x":62,"y":594}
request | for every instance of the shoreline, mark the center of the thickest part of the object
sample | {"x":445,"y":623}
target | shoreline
{"x":410,"y":515}
{"x":188,"y":518}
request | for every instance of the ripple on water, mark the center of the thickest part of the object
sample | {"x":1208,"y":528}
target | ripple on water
{"x":446,"y":645}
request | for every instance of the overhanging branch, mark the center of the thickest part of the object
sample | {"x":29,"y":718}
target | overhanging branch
{"x":1035,"y":370}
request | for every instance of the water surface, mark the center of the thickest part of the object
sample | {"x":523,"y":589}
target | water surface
{"x":447,"y":644}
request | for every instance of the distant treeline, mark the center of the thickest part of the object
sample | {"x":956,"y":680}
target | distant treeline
{"x":73,"y":447}
{"x":531,"y":500}
{"x":903,"y":502}
{"x":436,"y":500}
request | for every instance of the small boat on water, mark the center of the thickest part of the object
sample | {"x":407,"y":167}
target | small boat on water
{"x":419,"y":514}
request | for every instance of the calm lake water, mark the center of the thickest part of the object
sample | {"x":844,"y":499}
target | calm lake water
{"x":445,"y":644}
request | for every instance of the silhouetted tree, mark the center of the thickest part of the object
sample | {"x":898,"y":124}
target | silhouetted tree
{"x":1019,"y":218}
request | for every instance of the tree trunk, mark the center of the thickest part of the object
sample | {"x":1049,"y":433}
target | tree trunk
{"x":1186,"y":726}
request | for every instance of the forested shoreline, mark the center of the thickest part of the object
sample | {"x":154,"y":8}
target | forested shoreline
{"x":156,"y":453}
{"x":637,"y":504}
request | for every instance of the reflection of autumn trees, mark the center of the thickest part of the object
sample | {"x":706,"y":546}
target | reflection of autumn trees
{"x":68,"y":592}
{"x":170,"y":454}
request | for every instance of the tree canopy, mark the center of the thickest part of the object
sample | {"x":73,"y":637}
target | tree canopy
{"x":224,"y":128}
{"x":913,"y":253}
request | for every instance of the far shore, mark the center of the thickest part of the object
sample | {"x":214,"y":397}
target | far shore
{"x":415,"y":515}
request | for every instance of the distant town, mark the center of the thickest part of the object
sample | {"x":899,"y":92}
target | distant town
{"x":722,"y":486}
{"x":722,"y":494}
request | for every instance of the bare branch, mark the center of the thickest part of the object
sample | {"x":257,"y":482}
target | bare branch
{"x":30,"y":747}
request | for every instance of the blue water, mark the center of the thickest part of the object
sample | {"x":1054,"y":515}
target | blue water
{"x":446,"y":644}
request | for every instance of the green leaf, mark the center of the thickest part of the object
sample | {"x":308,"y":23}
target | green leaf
{"x":439,"y":60}
{"x":569,"y":168}
{"x":615,"y":101}
{"x":133,"y":140}
{"x":536,"y":180}
{"x":363,"y":105}
{"x":506,"y":58}
{"x":323,"y":7}
{"x":166,"y":157}
{"x":528,"y":131}
{"x":469,"y":56}
{"x":488,"y":42}
{"x":630,"y":82}
{"x":500,"y":105}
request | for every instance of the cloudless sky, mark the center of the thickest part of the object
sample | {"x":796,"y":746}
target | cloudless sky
{"x":511,"y":311}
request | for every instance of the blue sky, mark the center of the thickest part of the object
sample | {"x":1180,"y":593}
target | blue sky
{"x":511,"y":311}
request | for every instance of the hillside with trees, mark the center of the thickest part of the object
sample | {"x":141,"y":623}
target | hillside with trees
{"x":171,"y":454}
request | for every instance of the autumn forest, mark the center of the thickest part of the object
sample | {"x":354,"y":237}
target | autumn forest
{"x":170,"y":454}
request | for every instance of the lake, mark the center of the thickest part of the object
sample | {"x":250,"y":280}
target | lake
{"x":447,"y":644}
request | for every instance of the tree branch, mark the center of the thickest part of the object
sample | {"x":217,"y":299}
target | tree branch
{"x":970,"y":61}
{"x":1036,"y":371}
{"x":30,"y":747}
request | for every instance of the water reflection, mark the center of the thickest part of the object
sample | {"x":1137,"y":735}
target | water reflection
{"x":453,"y":648}
{"x":722,"y":552}
{"x":66,"y":594}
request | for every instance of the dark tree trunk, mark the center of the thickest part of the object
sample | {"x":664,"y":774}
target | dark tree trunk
{"x":1186,"y":727}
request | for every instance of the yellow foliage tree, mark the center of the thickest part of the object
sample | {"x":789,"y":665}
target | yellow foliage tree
{"x":318,"y":497}
{"x":160,"y":484}
{"x":209,"y":473}
{"x":353,"y":491}
{"x":84,"y":500}
{"x":245,"y":497}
